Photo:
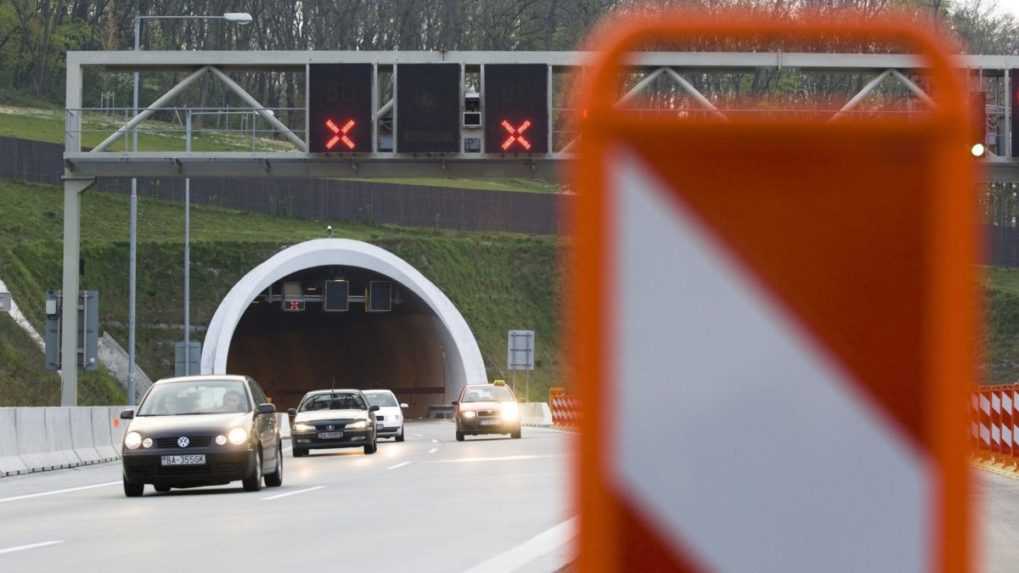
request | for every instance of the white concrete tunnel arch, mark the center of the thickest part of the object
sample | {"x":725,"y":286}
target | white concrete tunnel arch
{"x":466,"y":367}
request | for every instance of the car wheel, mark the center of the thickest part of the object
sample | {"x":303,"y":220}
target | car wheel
{"x":459,"y":436}
{"x":162,"y":488}
{"x":516,"y":435}
{"x":275,"y":479}
{"x":372,"y":447}
{"x":300,"y":452}
{"x":399,"y":437}
{"x":133,"y":489}
{"x":254,"y":481}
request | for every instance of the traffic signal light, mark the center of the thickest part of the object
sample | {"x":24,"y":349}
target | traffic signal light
{"x":428,"y":108}
{"x":516,"y":108}
{"x":1014,"y":94}
{"x":337,"y":293}
{"x":340,"y":108}
{"x":380,"y":296}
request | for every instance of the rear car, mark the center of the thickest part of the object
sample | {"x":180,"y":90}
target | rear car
{"x":202,"y":430}
{"x":486,"y":409}
{"x":327,"y":419}
{"x":389,"y":418}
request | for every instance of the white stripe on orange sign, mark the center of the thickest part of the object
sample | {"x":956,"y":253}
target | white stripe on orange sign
{"x":809,"y":449}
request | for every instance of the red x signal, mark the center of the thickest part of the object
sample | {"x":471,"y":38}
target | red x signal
{"x":340,"y":134}
{"x":516,"y":135}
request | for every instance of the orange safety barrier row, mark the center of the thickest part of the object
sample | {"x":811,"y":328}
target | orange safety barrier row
{"x":565,"y":408}
{"x":994,"y":429}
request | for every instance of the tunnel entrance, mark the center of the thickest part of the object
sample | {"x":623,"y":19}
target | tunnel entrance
{"x":397,"y":330}
{"x":291,"y":352}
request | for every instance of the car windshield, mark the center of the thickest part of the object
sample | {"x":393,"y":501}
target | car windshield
{"x":381,"y":399}
{"x":195,"y":397}
{"x":347,"y":401}
{"x":488,"y":394}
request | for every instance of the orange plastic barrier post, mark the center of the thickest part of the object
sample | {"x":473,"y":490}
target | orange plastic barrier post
{"x":745,"y":294}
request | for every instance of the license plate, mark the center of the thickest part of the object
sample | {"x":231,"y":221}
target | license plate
{"x":330,"y":435}
{"x":489,"y":422}
{"x":195,"y":460}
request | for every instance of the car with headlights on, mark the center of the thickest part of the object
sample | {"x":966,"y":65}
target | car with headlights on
{"x":202,"y":430}
{"x":327,"y":419}
{"x":390,"y":415}
{"x":486,"y":409}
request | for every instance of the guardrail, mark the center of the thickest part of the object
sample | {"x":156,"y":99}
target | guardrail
{"x":42,"y":439}
{"x":994,"y":428}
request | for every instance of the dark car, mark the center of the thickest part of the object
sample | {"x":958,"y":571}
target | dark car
{"x":486,"y":409}
{"x":202,"y":430}
{"x":328,"y":419}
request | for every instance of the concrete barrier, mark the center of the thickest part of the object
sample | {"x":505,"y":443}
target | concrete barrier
{"x":82,"y":439}
{"x":33,"y":448}
{"x":58,"y":436}
{"x":535,"y":414}
{"x":10,"y":461}
{"x":284,"y":424}
{"x":101,"y":434}
{"x":116,"y":428}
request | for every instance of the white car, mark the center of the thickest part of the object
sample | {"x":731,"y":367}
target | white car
{"x":390,"y":414}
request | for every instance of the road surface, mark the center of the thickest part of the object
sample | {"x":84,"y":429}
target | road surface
{"x":428,"y":504}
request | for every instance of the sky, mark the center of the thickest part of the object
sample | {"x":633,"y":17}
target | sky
{"x":1009,"y":6}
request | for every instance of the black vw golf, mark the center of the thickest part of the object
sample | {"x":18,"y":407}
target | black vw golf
{"x":202,"y":430}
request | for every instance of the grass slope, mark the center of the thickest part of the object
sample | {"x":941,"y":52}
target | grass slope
{"x":498,"y":281}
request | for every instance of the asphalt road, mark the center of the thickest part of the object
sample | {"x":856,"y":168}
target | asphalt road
{"x":427,"y":504}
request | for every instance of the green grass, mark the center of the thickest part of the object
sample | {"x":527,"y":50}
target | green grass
{"x":24,"y":380}
{"x":499,"y":281}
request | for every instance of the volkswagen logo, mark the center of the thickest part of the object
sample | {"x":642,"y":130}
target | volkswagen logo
{"x":330,"y":427}
{"x":183,"y":441}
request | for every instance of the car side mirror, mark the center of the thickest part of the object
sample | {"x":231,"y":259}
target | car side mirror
{"x":455,"y":403}
{"x":373,"y":408}
{"x":292,"y":412}
{"x":127,"y":414}
{"x":266,"y":408}
{"x":404,"y":405}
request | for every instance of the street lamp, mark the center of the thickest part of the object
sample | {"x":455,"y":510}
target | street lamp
{"x":240,"y":18}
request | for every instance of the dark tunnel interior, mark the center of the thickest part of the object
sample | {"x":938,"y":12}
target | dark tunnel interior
{"x":290,"y":352}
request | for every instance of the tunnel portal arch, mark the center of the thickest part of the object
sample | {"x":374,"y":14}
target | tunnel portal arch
{"x":465,"y":363}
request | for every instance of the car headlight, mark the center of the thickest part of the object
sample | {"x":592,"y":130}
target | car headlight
{"x":510,"y":411}
{"x":238,"y":436}
{"x":221,"y":440}
{"x":132,"y":440}
{"x":304,"y":428}
{"x":358,"y":425}
{"x":147,"y":443}
{"x":469,"y":414}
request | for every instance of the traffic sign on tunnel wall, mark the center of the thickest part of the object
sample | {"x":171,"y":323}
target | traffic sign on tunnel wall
{"x":754,"y":302}
{"x":340,"y":108}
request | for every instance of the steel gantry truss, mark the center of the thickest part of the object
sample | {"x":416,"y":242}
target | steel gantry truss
{"x":82,"y":167}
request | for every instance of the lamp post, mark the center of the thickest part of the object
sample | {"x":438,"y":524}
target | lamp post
{"x":231,"y":17}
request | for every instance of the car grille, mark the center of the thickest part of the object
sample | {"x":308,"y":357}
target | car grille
{"x":488,"y":413}
{"x":196,"y":442}
{"x":338,"y":425}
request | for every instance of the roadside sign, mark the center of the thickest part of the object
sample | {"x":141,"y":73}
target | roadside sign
{"x":774,"y":325}
{"x":520,"y":350}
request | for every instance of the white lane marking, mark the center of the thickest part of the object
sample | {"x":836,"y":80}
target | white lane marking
{"x":499,"y":459}
{"x":290,"y":493}
{"x":434,"y":441}
{"x":433,"y":450}
{"x":535,"y":547}
{"x":399,"y":465}
{"x":417,"y":435}
{"x":58,"y":491}
{"x":31,"y":546}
